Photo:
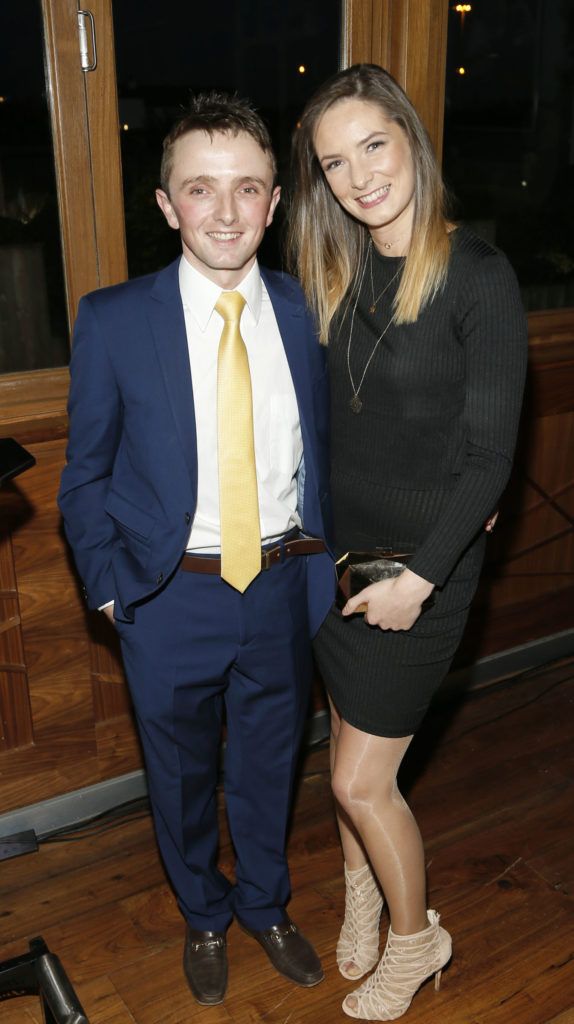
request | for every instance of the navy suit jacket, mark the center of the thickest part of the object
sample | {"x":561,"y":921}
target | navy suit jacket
{"x":129,"y":490}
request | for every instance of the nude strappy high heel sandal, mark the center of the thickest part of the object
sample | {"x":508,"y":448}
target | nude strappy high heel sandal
{"x":359,"y":939}
{"x":408,"y":960}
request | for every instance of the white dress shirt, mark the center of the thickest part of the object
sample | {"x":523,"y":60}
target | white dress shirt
{"x":277,"y":430}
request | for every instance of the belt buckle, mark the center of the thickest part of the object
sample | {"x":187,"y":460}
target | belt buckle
{"x":267,"y":556}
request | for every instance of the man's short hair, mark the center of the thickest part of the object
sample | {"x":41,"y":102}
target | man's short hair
{"x":213,"y":112}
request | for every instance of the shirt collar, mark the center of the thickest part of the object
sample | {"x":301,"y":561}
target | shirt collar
{"x":199,"y":294}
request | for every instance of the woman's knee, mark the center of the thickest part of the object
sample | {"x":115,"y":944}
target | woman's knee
{"x":358,"y":794}
{"x":340,"y":784}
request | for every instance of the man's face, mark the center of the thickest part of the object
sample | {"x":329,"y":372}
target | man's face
{"x":221,"y":199}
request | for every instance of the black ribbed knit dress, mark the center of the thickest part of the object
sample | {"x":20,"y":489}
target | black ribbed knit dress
{"x":420,"y":468}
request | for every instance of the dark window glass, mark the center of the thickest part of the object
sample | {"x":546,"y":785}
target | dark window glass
{"x":33,"y":325}
{"x":276,"y":54}
{"x":509,"y":136}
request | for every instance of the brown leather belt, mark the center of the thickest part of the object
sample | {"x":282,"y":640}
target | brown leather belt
{"x":299,"y":546}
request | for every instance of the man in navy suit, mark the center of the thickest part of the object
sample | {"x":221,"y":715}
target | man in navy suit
{"x":140,"y":501}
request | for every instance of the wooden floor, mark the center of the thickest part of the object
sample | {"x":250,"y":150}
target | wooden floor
{"x":491,"y":783}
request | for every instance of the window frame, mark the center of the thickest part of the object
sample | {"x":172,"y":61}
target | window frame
{"x":84,"y":117}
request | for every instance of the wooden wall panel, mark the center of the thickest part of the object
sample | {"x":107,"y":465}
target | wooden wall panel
{"x":66,"y":711}
{"x":55,"y":703}
{"x":66,"y":92}
{"x":15,"y":717}
{"x":533,"y":554}
{"x":359,"y":24}
{"x":408,"y":38}
{"x":85,"y":127}
{"x":118,"y":747}
{"x":527,"y":589}
{"x":106,"y":166}
{"x":15,"y":714}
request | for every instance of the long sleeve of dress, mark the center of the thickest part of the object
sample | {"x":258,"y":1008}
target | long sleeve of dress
{"x":491,"y":328}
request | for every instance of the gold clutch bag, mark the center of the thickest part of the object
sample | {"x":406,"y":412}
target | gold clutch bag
{"x":358,"y":569}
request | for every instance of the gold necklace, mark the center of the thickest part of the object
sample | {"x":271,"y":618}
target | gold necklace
{"x":355,"y":402}
{"x":375,"y":301}
{"x":389,"y":245}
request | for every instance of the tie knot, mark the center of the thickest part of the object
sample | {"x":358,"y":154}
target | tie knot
{"x":230,"y":306}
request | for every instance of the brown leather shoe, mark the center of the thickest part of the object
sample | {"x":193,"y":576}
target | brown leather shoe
{"x":205,"y":965}
{"x":290,"y":952}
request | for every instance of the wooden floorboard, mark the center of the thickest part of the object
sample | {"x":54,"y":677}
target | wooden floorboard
{"x":491,"y":781}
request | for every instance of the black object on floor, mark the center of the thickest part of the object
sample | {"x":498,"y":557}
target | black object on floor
{"x":40,"y":972}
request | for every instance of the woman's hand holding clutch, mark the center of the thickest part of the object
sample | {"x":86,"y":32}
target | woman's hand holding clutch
{"x":392,"y":604}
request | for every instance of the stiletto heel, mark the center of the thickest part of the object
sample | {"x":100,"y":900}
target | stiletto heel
{"x":408,"y":960}
{"x":359,"y":939}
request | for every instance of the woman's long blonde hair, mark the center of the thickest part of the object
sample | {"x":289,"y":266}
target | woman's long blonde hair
{"x":325,"y":244}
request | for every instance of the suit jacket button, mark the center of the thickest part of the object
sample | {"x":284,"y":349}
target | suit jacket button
{"x":187,"y":518}
{"x":159,"y":578}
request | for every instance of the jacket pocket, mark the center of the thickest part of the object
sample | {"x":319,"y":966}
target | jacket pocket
{"x":129,"y":517}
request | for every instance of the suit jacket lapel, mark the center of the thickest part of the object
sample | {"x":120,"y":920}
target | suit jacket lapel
{"x":167,"y":321}
{"x":295,"y":336}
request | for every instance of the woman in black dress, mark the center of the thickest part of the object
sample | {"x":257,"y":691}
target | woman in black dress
{"x":427,"y":355}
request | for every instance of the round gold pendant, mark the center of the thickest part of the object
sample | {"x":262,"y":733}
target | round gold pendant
{"x":356,"y":404}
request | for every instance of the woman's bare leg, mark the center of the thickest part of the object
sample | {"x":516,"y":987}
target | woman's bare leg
{"x":377,"y":819}
{"x":358,"y":943}
{"x":353,"y":849}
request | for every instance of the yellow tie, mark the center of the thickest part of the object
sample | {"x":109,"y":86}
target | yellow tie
{"x":238,"y":499}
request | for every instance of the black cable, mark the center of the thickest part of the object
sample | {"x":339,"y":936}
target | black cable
{"x":118,"y":815}
{"x":76,"y":833}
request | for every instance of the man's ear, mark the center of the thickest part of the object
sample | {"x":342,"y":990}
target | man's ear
{"x":275,"y":197}
{"x":163,"y":201}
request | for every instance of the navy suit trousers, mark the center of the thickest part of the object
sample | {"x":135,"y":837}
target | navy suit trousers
{"x":196,"y":647}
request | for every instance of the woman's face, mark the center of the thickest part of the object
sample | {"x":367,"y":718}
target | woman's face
{"x":367,"y":162}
